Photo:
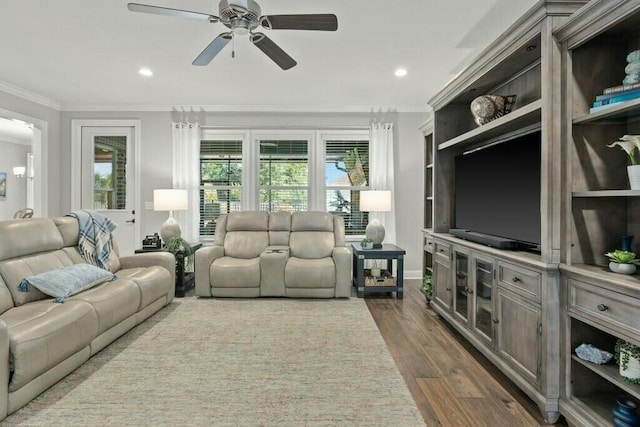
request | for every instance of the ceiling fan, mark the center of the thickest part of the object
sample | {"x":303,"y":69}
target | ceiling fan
{"x":243,"y":17}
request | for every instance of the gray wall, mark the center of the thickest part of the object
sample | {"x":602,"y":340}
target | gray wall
{"x":13,"y":155}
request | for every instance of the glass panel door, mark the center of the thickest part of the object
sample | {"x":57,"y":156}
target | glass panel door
{"x":461,"y":294}
{"x":483,"y":301}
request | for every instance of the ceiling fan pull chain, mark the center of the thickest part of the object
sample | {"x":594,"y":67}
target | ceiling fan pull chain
{"x":233,"y":45}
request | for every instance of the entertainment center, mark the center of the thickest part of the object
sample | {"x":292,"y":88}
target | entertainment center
{"x":541,"y":182}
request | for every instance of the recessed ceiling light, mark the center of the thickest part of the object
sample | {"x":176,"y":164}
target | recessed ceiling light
{"x":145,"y":72}
{"x":401,"y":72}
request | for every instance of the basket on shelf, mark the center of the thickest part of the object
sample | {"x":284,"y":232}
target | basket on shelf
{"x":385,"y":278}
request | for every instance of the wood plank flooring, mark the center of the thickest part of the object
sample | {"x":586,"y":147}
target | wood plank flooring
{"x":451,"y":382}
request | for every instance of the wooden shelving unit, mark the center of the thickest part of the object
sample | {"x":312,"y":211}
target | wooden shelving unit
{"x":522,"y":336}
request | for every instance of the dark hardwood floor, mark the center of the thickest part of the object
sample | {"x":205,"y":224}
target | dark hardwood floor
{"x":451,"y":382}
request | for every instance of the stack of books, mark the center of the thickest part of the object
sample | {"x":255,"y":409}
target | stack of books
{"x":614,"y":95}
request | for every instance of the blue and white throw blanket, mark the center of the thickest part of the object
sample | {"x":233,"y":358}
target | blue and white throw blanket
{"x":95,"y":243}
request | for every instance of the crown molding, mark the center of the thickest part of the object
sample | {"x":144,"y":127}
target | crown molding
{"x":246,"y":108}
{"x":29,"y":96}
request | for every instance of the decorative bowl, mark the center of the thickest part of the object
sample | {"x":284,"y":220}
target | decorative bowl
{"x":486,"y":108}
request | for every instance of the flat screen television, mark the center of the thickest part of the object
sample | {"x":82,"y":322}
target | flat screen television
{"x":497,"y":193}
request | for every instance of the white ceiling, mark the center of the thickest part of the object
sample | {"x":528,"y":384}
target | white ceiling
{"x":85,"y":54}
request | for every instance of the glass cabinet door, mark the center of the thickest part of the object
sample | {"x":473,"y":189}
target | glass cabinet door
{"x":483,"y":298}
{"x":461,"y":294}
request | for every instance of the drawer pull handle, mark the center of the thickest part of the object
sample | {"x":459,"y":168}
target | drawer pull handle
{"x":515,"y":279}
{"x":496,"y":321}
{"x":469,"y":291}
{"x":602,"y":307}
{"x":441,"y":250}
{"x":448,"y":289}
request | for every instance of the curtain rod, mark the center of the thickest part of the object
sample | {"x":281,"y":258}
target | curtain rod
{"x":287,"y":127}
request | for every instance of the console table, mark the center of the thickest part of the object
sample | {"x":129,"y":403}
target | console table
{"x":388,"y":252}
{"x":184,"y":279}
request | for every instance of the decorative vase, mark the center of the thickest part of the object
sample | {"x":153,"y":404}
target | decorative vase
{"x":631,"y":371}
{"x":624,"y":413}
{"x":634,"y":176}
{"x":625,"y":243}
{"x":622,"y":268}
{"x":486,"y":108}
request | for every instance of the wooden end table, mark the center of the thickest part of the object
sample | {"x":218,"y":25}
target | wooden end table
{"x":184,"y":279}
{"x":388,"y":252}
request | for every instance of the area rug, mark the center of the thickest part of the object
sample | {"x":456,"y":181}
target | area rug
{"x":237,"y":362}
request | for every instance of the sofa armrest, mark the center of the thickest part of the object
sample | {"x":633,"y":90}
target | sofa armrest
{"x":204,"y":258}
{"x":342,"y":259}
{"x":149,"y":259}
{"x":4,"y":369}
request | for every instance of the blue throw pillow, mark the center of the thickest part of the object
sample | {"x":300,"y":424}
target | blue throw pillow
{"x":64,"y":282}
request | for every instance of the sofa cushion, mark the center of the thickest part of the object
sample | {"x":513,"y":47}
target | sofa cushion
{"x":279,"y":228}
{"x":248,"y":221}
{"x":42,"y":334}
{"x":113,"y":301}
{"x":311,"y":221}
{"x":66,"y":281}
{"x":14,"y":270}
{"x":28,"y":236}
{"x":245,"y":244}
{"x":153,"y":282}
{"x":228,"y":272}
{"x":311,"y":244}
{"x":310,"y":273}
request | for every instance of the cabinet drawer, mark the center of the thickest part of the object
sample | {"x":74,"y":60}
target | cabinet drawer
{"x":442,"y":250}
{"x":428,"y":244}
{"x":619,"y":311}
{"x":519,"y":279}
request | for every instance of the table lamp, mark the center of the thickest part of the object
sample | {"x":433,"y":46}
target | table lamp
{"x":375,"y":201}
{"x":170,"y":200}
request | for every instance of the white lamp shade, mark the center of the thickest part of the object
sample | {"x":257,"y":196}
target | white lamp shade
{"x":375,"y":201}
{"x":170,"y":200}
{"x":19,"y":171}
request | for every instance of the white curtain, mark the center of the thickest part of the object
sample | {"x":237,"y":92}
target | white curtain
{"x":381,"y":177}
{"x":186,"y":166}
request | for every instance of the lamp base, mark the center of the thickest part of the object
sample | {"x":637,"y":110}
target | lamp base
{"x":375,"y":232}
{"x":169,"y":230}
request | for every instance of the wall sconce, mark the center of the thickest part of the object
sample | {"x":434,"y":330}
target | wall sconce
{"x":19,"y":171}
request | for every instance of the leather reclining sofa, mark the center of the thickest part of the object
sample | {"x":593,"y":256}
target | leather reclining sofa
{"x":282,"y":254}
{"x":42,"y":341}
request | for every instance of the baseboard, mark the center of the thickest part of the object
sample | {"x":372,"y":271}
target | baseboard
{"x":413,"y":274}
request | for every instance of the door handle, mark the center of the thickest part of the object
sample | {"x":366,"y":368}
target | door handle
{"x":131,"y":221}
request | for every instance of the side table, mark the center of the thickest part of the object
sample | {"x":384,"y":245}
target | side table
{"x":389,"y":252}
{"x":184,"y":279}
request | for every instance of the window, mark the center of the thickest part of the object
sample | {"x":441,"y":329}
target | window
{"x":284,"y":170}
{"x":346,"y":174}
{"x":220,"y":181}
{"x":284,"y":175}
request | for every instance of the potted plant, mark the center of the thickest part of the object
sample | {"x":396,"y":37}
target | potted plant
{"x":623,"y":262}
{"x":178,"y":245}
{"x":366,"y":243}
{"x":427,"y":287}
{"x":628,"y":358}
{"x":631,"y":143}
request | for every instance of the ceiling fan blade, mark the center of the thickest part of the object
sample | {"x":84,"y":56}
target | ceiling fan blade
{"x":273,"y":51}
{"x":319,"y":22}
{"x":157,"y":10}
{"x":213,"y":49}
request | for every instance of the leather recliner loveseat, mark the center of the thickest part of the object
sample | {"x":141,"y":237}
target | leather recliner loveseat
{"x":282,"y":254}
{"x":42,"y":341}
